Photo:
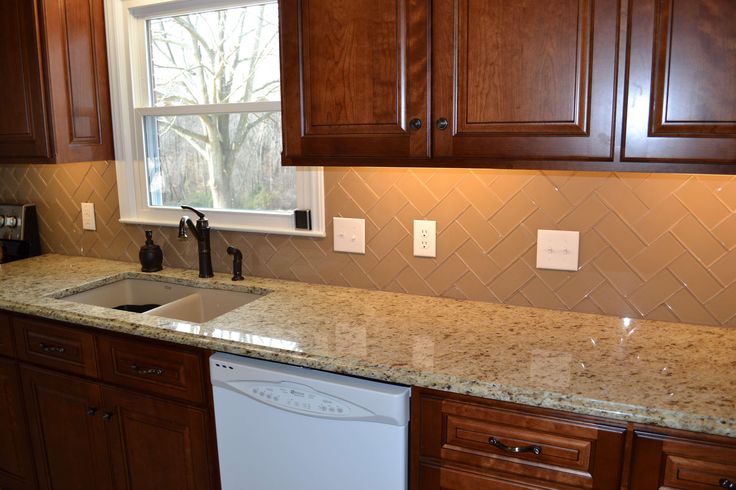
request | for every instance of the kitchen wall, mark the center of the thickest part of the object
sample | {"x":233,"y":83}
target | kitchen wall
{"x":653,"y":246}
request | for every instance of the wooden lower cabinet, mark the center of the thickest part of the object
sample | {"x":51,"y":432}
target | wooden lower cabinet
{"x":16,"y":464}
{"x":463,"y":442}
{"x":68,"y":431}
{"x":675,"y":461}
{"x":157,"y":444}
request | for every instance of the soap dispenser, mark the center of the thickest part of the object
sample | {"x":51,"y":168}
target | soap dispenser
{"x":151,"y":256}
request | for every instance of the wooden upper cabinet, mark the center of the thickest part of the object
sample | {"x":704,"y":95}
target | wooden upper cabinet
{"x":55,"y":103}
{"x":354,"y":77}
{"x":681,"y":86}
{"x":23,"y":131}
{"x":524,"y":79}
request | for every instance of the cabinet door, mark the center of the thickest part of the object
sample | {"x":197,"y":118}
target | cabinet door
{"x":16,"y":467}
{"x":354,"y":76}
{"x":524,"y":79}
{"x":68,"y":431}
{"x":158,"y":444}
{"x":6,"y":339}
{"x":23,"y":132}
{"x":681,"y":85}
{"x":660,"y":461}
{"x":78,"y":79}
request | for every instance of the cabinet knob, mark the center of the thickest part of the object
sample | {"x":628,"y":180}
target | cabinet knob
{"x":416,"y":123}
{"x":106,"y":416}
{"x":91,"y":411}
{"x":726,"y":483}
{"x":442,"y":123}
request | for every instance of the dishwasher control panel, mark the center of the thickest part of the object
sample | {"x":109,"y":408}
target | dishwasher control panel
{"x":302,"y":399}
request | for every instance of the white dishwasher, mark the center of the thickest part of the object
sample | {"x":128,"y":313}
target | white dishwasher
{"x":282,"y":427}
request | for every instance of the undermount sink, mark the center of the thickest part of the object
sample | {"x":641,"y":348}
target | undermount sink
{"x":176,"y":301}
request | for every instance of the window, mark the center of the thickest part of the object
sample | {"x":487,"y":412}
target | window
{"x":195,"y":87}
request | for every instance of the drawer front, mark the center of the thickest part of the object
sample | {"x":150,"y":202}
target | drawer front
{"x":155,"y":369}
{"x":433,"y":477}
{"x":6,"y":339}
{"x":56,"y":346}
{"x":557,"y":451}
{"x":667,"y":462}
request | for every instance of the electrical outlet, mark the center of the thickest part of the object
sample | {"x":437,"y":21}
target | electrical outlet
{"x":349,"y":235}
{"x":558,"y":249}
{"x":88,"y":216}
{"x":425,"y":238}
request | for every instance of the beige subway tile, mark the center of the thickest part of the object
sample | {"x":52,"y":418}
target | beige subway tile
{"x":619,"y":236}
{"x":588,"y":306}
{"x":698,"y":240}
{"x":513,"y":246}
{"x":657,"y":256}
{"x":725,"y":232}
{"x":448,"y":210}
{"x":662,"y":313}
{"x":412,"y":283}
{"x":381,"y":179}
{"x":655,"y":292}
{"x":547,"y":197}
{"x":446,"y":274}
{"x":580,"y":285}
{"x":518,"y":299}
{"x":695,"y":277}
{"x":705,"y":206}
{"x":387,"y":238}
{"x":591,"y":246}
{"x":511,"y":280}
{"x":478,"y":261}
{"x":383,"y":273}
{"x":622,"y":200}
{"x":539,"y":220}
{"x":516,"y":210}
{"x":723,"y":305}
{"x":479,"y":195}
{"x":661,"y":218}
{"x":581,"y":185}
{"x":472,"y":288}
{"x":725,"y":268}
{"x":727,"y":193}
{"x":585,"y":216}
{"x":478,"y":228}
{"x":386,"y":207}
{"x":688,"y":309}
{"x":538,"y":294}
{"x":358,"y":190}
{"x":611,"y":302}
{"x":416,"y":192}
{"x":443,"y":181}
{"x":510,"y":182}
{"x":659,"y":187}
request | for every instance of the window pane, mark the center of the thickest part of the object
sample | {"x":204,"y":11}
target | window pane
{"x":215,"y":57}
{"x":218,"y":161}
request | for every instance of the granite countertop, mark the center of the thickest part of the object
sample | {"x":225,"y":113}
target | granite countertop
{"x":666,"y":374}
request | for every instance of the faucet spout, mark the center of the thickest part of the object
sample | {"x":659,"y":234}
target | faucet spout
{"x":202,"y":233}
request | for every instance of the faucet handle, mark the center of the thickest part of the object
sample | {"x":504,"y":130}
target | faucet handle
{"x":200,"y":214}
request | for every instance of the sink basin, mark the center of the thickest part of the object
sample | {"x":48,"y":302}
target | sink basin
{"x":176,"y":301}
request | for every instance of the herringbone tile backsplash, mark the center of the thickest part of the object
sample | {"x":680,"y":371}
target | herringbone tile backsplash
{"x":653,"y":246}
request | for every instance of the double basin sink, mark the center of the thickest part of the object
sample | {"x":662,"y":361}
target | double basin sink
{"x":175,"y":301}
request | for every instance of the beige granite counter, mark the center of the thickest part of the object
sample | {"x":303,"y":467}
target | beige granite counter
{"x":666,"y":374}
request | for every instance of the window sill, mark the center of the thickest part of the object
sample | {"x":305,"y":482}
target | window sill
{"x":240,"y":228}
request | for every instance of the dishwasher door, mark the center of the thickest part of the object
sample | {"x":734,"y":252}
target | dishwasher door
{"x":282,"y":427}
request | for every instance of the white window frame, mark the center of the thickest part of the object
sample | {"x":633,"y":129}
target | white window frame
{"x":125,"y":23}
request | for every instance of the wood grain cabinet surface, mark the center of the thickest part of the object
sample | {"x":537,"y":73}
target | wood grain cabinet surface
{"x":495,"y":83}
{"x":16,"y":462}
{"x":104,"y":411}
{"x":54,"y":92}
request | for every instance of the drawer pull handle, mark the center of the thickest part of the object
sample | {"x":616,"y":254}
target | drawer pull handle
{"x":147,"y":371}
{"x":726,"y":483}
{"x":51,"y":348}
{"x":521,"y":449}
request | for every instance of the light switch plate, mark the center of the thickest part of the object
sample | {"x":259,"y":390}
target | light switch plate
{"x":88,"y":216}
{"x":349,"y":235}
{"x":558,"y":250}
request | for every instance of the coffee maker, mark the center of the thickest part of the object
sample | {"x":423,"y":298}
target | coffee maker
{"x":18,"y":232}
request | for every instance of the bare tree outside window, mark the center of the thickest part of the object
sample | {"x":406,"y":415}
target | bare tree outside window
{"x":220,"y":160}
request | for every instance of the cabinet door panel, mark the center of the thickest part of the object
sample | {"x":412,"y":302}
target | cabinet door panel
{"x":23,"y":131}
{"x":158,"y":444}
{"x":77,"y":59}
{"x":524,"y":79}
{"x":16,"y":469}
{"x":681,"y":86}
{"x":65,"y":418}
{"x":360,"y":76}
{"x":6,"y":339}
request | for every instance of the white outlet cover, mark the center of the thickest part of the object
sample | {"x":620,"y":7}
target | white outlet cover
{"x":349,"y":235}
{"x":425,"y":238}
{"x":88,"y":216}
{"x":558,"y":250}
